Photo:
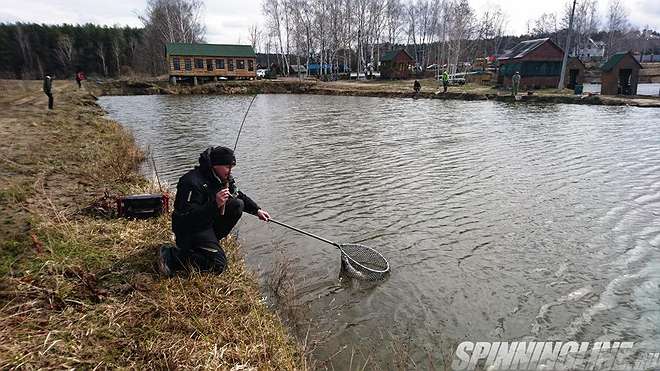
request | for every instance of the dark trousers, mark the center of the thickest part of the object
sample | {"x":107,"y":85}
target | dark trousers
{"x":79,"y":84}
{"x":50,"y":100}
{"x":202,"y":250}
{"x":444,"y":87}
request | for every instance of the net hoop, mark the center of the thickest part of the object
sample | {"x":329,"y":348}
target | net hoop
{"x":364,"y":262}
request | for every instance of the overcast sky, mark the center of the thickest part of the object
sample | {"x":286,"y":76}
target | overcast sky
{"x":227,"y":21}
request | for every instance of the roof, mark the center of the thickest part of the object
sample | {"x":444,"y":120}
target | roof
{"x":392,"y":54}
{"x":615,"y":59}
{"x":297,"y":68}
{"x":576,"y":59}
{"x":526,"y":47}
{"x":210,"y":50}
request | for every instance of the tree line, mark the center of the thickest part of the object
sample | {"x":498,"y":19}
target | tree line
{"x":447,"y":32}
{"x":29,"y":51}
{"x":352,"y":33}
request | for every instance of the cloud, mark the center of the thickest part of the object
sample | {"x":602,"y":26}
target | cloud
{"x":227,"y":21}
{"x":645,"y":13}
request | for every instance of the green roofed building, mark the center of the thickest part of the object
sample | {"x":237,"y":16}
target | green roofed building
{"x":210,"y":61}
{"x":620,"y":75}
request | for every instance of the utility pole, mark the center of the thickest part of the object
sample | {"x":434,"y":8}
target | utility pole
{"x":567,"y":47}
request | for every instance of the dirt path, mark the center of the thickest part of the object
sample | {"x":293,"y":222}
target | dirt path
{"x":39,"y":150}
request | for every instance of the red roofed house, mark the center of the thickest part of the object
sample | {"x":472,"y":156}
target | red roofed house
{"x":538,"y":61}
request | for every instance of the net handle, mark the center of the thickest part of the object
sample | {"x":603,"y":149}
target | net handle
{"x":305,"y":233}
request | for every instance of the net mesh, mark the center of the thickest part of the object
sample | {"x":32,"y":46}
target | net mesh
{"x":363,"y":262}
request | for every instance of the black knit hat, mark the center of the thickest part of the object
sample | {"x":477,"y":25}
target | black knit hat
{"x":222,"y":156}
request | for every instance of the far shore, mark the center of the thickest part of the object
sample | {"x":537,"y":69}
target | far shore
{"x":371,"y":88}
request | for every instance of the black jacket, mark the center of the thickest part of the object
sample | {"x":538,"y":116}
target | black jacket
{"x":194,"y":206}
{"x":48,"y":83}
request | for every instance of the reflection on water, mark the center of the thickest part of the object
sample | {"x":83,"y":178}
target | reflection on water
{"x":501,"y":221}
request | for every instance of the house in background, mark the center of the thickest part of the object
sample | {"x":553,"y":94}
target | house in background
{"x":538,"y":61}
{"x":396,"y":64}
{"x":594,"y":50}
{"x":208,"y":62}
{"x":620,"y":75}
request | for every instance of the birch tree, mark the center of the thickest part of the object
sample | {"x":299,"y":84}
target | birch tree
{"x":100,"y":52}
{"x":272,"y":10}
{"x":617,"y":25}
{"x":254,"y":35}
{"x":64,"y":51}
{"x":25,"y":47}
{"x":170,"y":21}
{"x":393,"y":20}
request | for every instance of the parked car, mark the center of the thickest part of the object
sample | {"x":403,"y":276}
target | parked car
{"x":261,"y":73}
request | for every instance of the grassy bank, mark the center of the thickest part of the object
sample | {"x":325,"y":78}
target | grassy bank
{"x":371,"y":88}
{"x":79,"y":288}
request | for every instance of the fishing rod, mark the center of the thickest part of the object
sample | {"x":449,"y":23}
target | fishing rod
{"x":242,"y":123}
{"x":361,"y":262}
{"x":153,"y":163}
{"x":225,"y":183}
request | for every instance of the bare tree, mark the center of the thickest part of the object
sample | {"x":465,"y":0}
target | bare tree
{"x":100,"y":52}
{"x":374,"y":31}
{"x":422,"y":21}
{"x":393,"y":20}
{"x":64,"y":51}
{"x":489,"y":31}
{"x":617,"y":25}
{"x":546,"y":26}
{"x":460,"y":30}
{"x":273,"y":13}
{"x":170,"y":21}
{"x":585,"y":22}
{"x":26,"y":52}
{"x":254,"y":36}
{"x":303,"y":20}
{"x":363,"y":14}
{"x":116,"y":52}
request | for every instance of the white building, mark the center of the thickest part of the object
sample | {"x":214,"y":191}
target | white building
{"x":593,"y":50}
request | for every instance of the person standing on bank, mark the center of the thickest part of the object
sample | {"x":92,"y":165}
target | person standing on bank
{"x":417,"y":87}
{"x":80,"y":76}
{"x":206,"y":208}
{"x":445,"y":81}
{"x":515,"y":83}
{"x":48,"y":87}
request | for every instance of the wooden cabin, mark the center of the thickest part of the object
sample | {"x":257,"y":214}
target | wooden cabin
{"x":574,"y":72}
{"x":538,"y":61}
{"x":396,"y":64}
{"x":620,"y":75}
{"x":209,"y":62}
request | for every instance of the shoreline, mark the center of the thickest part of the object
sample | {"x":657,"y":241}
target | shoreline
{"x":374,"y":88}
{"x":79,"y":288}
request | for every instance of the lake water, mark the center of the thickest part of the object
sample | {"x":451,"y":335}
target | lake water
{"x":502,"y":222}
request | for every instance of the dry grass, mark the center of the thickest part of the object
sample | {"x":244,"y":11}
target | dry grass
{"x":80,"y":290}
